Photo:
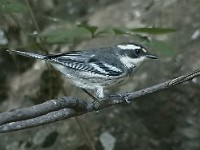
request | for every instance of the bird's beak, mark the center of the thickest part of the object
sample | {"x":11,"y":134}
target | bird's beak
{"x":151,"y":56}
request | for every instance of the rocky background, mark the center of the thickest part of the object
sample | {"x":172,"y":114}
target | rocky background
{"x":168,"y":120}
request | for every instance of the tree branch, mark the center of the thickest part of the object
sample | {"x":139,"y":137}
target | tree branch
{"x":67,"y":107}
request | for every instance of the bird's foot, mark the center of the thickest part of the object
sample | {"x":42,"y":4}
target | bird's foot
{"x":96,"y":105}
{"x":127,"y":101}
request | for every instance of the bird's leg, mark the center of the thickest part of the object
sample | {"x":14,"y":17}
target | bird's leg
{"x":88,"y":93}
{"x":93,"y":97}
{"x":100,"y":92}
{"x":99,"y":96}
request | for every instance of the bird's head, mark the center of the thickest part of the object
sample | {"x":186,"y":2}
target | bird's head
{"x":132,"y":54}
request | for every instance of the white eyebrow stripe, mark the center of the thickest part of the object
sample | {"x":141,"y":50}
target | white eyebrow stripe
{"x":111,"y":67}
{"x":129,"y":46}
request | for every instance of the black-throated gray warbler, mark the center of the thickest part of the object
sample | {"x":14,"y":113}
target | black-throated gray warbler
{"x":95,"y":69}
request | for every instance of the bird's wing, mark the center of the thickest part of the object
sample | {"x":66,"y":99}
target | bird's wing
{"x":86,"y":62}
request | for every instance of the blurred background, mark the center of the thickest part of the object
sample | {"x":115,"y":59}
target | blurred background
{"x":168,"y":120}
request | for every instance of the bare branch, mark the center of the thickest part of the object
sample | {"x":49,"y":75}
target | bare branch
{"x":67,"y":107}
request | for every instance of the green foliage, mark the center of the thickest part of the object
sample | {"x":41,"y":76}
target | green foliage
{"x":153,"y":30}
{"x":64,"y":35}
{"x":119,"y":31}
{"x":91,"y":29}
{"x":163,"y":48}
{"x":56,"y":19}
{"x":13,"y":6}
{"x":143,"y":30}
{"x":85,"y":31}
{"x":159,"y":46}
{"x":94,"y":30}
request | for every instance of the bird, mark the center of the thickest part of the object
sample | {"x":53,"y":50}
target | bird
{"x":98,"y":68}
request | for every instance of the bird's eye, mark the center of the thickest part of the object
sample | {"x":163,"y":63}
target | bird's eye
{"x":137,"y":51}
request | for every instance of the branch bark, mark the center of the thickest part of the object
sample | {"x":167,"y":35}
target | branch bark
{"x":67,"y":107}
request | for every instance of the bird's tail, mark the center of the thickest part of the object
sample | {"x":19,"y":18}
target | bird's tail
{"x":27,"y":54}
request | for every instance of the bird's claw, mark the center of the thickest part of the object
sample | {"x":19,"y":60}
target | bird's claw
{"x":127,"y":100}
{"x":96,"y":105}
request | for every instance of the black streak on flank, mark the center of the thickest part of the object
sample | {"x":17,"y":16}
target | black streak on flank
{"x":91,"y":59}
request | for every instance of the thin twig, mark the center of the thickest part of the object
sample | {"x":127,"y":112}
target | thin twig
{"x":85,"y":132}
{"x":67,"y":107}
{"x":37,"y":28}
{"x":32,"y":16}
